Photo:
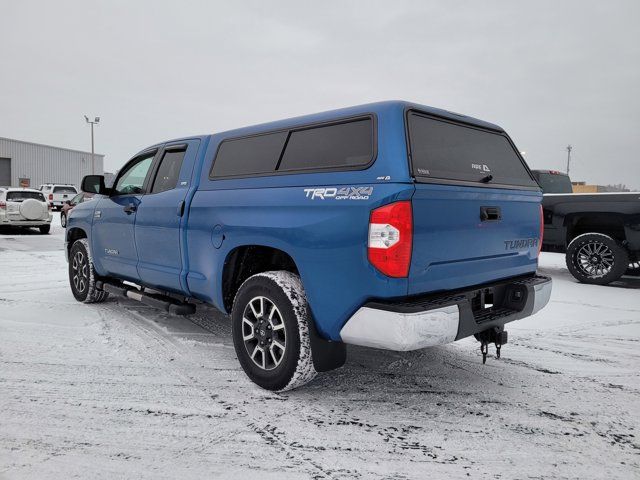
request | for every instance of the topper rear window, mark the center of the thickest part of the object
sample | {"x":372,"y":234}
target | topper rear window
{"x":445,"y":150}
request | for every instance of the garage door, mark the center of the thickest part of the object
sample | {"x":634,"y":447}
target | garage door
{"x":5,"y":172}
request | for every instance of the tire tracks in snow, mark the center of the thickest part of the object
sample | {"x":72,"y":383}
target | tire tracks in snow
{"x":173,"y":347}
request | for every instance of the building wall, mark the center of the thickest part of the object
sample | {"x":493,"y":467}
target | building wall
{"x":47,"y":164}
{"x":582,"y":188}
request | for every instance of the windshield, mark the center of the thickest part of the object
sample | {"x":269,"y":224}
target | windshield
{"x":555,"y":183}
{"x":21,"y":196}
{"x":444,"y":150}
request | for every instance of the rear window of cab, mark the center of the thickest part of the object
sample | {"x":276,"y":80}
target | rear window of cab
{"x":440,"y":149}
{"x":64,"y":190}
{"x":334,"y":146}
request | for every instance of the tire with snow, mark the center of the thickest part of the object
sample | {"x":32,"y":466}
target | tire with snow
{"x":270,"y":325}
{"x":82,"y":276}
{"x":596,"y":258}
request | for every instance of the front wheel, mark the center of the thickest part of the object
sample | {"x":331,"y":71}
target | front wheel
{"x":270,"y":325}
{"x":596,"y":258}
{"x":82,"y":276}
{"x":63,"y":220}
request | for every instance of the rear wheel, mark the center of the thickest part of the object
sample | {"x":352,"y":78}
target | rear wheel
{"x":82,"y":277}
{"x":270,"y":324}
{"x":44,"y":229}
{"x":596,"y":258}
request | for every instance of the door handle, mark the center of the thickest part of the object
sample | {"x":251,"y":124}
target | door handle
{"x":488,"y":214}
{"x":180,"y":210}
{"x":129,"y":209}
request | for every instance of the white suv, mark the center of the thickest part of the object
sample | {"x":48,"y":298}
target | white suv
{"x":58,"y":193}
{"x":24,"y":207}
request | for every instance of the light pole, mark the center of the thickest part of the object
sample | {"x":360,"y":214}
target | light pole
{"x":569,"y":148}
{"x":93,"y":161}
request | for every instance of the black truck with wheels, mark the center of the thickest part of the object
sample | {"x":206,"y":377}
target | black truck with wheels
{"x":600,"y":232}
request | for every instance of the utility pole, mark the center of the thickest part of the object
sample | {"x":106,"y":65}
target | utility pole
{"x":93,"y":161}
{"x":569,"y":148}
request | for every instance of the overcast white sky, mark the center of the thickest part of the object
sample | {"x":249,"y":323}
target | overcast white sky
{"x":550,"y":73}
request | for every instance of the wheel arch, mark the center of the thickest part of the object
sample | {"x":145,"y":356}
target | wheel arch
{"x":246,"y":260}
{"x":607,"y":223}
{"x":73,"y":234}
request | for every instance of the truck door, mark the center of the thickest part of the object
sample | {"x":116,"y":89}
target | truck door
{"x":114,"y":218}
{"x":160,"y":217}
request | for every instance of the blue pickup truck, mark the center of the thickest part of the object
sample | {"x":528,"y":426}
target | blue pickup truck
{"x":390,"y":225}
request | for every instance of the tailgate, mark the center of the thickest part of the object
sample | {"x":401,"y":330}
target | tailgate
{"x":476,"y":207}
{"x":466,"y":236}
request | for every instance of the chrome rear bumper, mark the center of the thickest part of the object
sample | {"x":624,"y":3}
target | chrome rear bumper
{"x":428,"y":321}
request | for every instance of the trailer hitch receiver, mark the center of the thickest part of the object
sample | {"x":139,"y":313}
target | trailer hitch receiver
{"x":496,"y":335}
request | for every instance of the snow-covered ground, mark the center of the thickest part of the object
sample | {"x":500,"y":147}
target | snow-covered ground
{"x":119,"y":390}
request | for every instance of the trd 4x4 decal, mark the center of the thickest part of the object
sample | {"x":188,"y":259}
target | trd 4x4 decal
{"x":339,"y":193}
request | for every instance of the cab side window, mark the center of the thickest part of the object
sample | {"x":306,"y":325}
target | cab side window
{"x":131,"y":181}
{"x":168,"y":171}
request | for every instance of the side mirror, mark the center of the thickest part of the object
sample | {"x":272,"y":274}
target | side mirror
{"x":94,"y":184}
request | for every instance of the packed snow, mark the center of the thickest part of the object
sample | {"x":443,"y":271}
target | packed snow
{"x":120,"y":390}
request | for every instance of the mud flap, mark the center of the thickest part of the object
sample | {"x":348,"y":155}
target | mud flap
{"x":327,"y":355}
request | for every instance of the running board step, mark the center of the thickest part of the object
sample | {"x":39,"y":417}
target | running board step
{"x":156,"y":300}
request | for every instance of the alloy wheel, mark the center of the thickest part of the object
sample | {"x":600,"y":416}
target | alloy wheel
{"x":594,"y":259}
{"x":80,"y":268}
{"x":263,"y":333}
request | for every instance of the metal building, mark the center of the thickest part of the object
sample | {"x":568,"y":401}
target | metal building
{"x":32,"y":164}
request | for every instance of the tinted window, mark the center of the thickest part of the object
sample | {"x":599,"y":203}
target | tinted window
{"x":342,"y":145}
{"x":250,"y":155}
{"x":446,"y":150}
{"x":64,"y":190}
{"x":21,"y":196}
{"x":132,"y":178}
{"x":169,"y":171}
{"x":554,"y":183}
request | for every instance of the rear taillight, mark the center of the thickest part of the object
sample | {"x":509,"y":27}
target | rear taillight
{"x":3,"y":205}
{"x":541,"y":229}
{"x":390,"y":238}
{"x":51,"y":196}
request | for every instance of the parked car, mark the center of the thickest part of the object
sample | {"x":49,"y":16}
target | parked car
{"x":57,"y":193}
{"x":390,"y":225}
{"x":69,"y":204}
{"x":24,"y":207}
{"x":599,"y":232}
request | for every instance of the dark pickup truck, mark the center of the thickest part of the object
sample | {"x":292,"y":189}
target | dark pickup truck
{"x":600,"y":232}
